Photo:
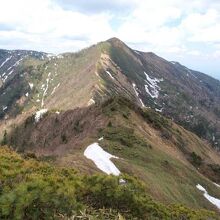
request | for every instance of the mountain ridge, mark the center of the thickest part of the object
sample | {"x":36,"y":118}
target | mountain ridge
{"x":111,"y":67}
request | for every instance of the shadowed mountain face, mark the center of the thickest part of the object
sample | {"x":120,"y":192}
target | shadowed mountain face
{"x":32,"y":80}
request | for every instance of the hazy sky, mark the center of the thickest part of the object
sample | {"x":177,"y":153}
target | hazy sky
{"x":187,"y":31}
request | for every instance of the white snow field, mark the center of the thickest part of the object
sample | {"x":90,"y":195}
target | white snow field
{"x":109,"y":74}
{"x":211,"y":199}
{"x":137,"y":94}
{"x":101,"y":159}
{"x":39,"y":114}
{"x":152,"y":87}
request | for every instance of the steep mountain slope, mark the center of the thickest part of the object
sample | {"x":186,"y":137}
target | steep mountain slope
{"x":13,"y":78}
{"x":150,"y":147}
{"x":72,"y":80}
{"x":11,"y":60}
{"x":189,"y":97}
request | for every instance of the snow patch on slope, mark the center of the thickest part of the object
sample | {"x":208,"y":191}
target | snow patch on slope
{"x":101,"y":138}
{"x":137,"y":94}
{"x":109,"y":74}
{"x":211,"y":199}
{"x":39,"y":114}
{"x":137,"y":52}
{"x":4,"y":108}
{"x":45,"y":90}
{"x":158,"y":110}
{"x":216,"y":185}
{"x":18,"y":62}
{"x":54,"y":89}
{"x":152,"y":87}
{"x":91,"y":102}
{"x":101,"y":159}
{"x":173,"y":62}
{"x":10,"y":73}
{"x":11,"y":69}
{"x":7,"y":59}
{"x":31,"y":85}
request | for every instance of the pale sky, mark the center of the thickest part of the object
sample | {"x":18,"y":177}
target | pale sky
{"x":187,"y":31}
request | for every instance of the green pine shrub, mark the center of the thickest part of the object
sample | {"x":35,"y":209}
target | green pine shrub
{"x":30,"y":189}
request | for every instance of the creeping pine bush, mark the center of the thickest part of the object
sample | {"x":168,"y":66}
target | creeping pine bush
{"x":123,"y":135}
{"x":30,"y":189}
{"x":195,"y":159}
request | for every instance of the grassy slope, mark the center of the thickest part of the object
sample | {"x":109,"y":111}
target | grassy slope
{"x":74,"y":73}
{"x":149,"y":145}
{"x":159,"y":162}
